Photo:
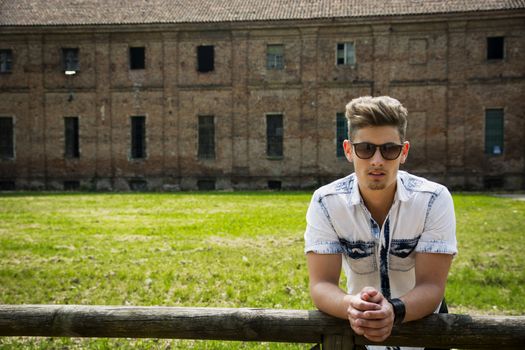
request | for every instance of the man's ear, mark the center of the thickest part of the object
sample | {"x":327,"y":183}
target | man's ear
{"x":347,"y":146}
{"x":404,"y":152}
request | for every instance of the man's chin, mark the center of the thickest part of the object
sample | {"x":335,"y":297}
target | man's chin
{"x":376,"y":186}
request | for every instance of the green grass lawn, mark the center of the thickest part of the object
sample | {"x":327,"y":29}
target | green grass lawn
{"x":214,"y":249}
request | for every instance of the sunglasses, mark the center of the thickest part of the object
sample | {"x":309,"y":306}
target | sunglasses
{"x":366,"y":150}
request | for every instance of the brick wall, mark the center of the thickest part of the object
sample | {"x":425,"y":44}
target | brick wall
{"x":436,"y":67}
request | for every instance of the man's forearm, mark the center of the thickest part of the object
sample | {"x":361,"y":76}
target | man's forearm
{"x":331,"y":299}
{"x":431,"y":278}
{"x":422,"y":301}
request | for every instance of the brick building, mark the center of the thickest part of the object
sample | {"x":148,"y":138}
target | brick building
{"x":118,"y":95}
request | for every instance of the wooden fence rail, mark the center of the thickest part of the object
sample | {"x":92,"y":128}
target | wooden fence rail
{"x":296,"y":326}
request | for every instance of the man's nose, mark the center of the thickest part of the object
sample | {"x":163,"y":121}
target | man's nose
{"x":377,"y":158}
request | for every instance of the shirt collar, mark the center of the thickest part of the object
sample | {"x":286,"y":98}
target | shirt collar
{"x":355,"y":195}
{"x":402,"y":193}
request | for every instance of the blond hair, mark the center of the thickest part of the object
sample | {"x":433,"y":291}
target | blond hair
{"x":369,"y":111}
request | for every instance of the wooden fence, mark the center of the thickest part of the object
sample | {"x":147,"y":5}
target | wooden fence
{"x":295,"y":326}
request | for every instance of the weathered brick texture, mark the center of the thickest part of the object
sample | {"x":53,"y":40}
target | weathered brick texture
{"x":436,"y":66}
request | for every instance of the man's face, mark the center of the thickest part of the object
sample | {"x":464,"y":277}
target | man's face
{"x":376,"y":173}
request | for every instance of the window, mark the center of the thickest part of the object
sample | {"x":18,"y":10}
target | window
{"x":6,"y":138}
{"x":206,"y":184}
{"x":275,"y":56}
{"x":341,"y":134}
{"x":274,"y":185}
{"x":138,"y":185}
{"x":345,"y":54}
{"x":495,"y":48}
{"x":71,"y":137}
{"x":138,"y":137}
{"x":137,"y":58}
{"x":7,"y":185}
{"x":71,"y":185}
{"x":205,"y":58}
{"x":493,"y":182}
{"x":274,"y":135}
{"x":70,"y":60}
{"x":6,"y":61}
{"x":494,"y":131}
{"x":206,"y":137}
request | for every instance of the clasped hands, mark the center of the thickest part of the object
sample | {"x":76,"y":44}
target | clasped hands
{"x":370,"y":314}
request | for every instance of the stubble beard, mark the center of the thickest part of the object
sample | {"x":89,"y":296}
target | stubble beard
{"x":376,"y":186}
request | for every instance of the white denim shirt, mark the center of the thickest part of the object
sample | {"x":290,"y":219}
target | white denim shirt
{"x":421,"y":219}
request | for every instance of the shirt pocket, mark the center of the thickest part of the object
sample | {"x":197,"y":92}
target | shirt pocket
{"x":361,"y":255}
{"x":402,"y":254}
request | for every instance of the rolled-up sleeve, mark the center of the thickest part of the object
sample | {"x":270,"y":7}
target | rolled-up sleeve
{"x":320,"y":236}
{"x":439,"y":235}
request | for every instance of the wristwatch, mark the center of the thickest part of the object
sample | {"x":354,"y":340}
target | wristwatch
{"x":399,"y":310}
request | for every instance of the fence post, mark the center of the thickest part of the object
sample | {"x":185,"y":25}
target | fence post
{"x":340,"y":342}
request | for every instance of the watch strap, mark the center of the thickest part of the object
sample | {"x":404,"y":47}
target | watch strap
{"x":399,"y":310}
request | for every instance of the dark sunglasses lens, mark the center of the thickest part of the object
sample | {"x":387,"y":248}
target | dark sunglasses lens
{"x":390,"y":151}
{"x":365,"y":150}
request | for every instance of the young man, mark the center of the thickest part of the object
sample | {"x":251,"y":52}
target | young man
{"x":392,"y":232}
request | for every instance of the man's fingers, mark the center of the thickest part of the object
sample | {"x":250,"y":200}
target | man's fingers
{"x":358,"y":330}
{"x":377,"y":298}
{"x":369,"y":290}
{"x":372,"y":324}
{"x":355,"y":314}
{"x":361,"y":310}
{"x":376,"y":339}
{"x":368,"y":293}
{"x":371,"y":295}
{"x":375,"y":314}
{"x":375,"y":330}
{"x":378,"y":334}
{"x":364,"y":305}
{"x":369,"y":315}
